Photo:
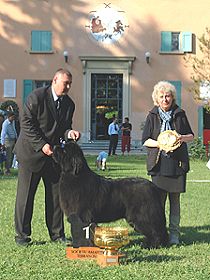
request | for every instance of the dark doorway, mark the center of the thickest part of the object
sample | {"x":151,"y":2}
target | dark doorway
{"x":106,"y":101}
{"x":206,"y":121}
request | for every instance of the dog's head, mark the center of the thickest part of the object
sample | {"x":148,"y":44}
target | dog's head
{"x":70,"y":157}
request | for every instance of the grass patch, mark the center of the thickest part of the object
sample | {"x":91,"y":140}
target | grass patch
{"x":45,"y":260}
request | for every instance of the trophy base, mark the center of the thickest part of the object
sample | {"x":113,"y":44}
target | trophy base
{"x":82,"y":253}
{"x":103,"y":259}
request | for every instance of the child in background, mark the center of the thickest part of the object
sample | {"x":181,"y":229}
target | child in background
{"x":101,"y":160}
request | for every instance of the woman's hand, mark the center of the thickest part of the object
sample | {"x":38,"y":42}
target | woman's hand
{"x":151,"y":143}
{"x":186,"y":138}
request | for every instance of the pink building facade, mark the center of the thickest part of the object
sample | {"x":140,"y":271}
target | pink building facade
{"x":117,"y":51}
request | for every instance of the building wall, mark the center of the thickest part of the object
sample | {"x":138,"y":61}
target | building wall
{"x":68,"y":21}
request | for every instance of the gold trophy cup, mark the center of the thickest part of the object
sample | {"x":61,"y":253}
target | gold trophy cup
{"x":110,"y":240}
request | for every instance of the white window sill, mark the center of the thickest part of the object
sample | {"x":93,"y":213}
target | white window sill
{"x":41,"y":52}
{"x":171,"y":52}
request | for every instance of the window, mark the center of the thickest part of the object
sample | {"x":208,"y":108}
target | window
{"x":41,"y":41}
{"x":9,"y":88}
{"x":177,"y":42}
{"x":30,"y":85}
{"x":175,"y":46}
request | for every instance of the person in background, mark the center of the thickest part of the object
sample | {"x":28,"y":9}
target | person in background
{"x":8,"y":139}
{"x":2,"y":159}
{"x":168,"y":170}
{"x":113,"y":131}
{"x":1,"y":121}
{"x":17,"y":127}
{"x":126,"y":128}
{"x":2,"y":149}
{"x":101,"y":160}
{"x":46,"y":119}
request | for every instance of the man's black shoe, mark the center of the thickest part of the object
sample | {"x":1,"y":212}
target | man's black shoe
{"x":23,"y":241}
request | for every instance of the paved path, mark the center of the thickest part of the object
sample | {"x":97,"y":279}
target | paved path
{"x":199,"y":181}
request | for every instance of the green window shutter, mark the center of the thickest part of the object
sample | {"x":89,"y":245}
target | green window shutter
{"x":200,"y":122}
{"x":187,"y":41}
{"x":178,"y":86}
{"x":27,"y":88}
{"x":35,"y":41}
{"x":41,"y":41}
{"x":166,"y":41}
{"x":46,"y":41}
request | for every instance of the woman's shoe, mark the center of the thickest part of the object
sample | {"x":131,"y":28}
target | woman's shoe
{"x":173,"y":239}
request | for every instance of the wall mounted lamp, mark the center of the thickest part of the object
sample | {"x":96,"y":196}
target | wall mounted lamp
{"x":147,"y":56}
{"x":66,"y":56}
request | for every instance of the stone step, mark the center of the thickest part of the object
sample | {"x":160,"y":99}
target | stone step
{"x":94,"y":147}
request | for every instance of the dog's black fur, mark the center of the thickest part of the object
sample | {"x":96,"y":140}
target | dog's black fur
{"x":89,"y":198}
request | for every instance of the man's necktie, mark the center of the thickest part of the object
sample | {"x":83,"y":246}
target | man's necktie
{"x":58,"y":105}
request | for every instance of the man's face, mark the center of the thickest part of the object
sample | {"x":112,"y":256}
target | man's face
{"x":11,"y":118}
{"x":62,"y":84}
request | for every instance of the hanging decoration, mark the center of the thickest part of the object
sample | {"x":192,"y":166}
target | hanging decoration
{"x":107,"y":24}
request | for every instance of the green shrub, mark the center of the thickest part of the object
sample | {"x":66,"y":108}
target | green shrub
{"x":197,"y":149}
{"x":9,"y":105}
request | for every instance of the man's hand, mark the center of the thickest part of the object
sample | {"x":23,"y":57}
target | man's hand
{"x":74,"y":134}
{"x":47,"y":150}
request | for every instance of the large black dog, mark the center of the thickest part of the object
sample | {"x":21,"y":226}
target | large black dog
{"x":89,"y":198}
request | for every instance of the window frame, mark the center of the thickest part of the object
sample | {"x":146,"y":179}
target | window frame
{"x":185,"y":42}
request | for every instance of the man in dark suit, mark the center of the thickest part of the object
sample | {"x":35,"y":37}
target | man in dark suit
{"x":46,"y":119}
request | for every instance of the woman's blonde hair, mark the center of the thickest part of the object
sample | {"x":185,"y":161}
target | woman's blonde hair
{"x":163,"y":86}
